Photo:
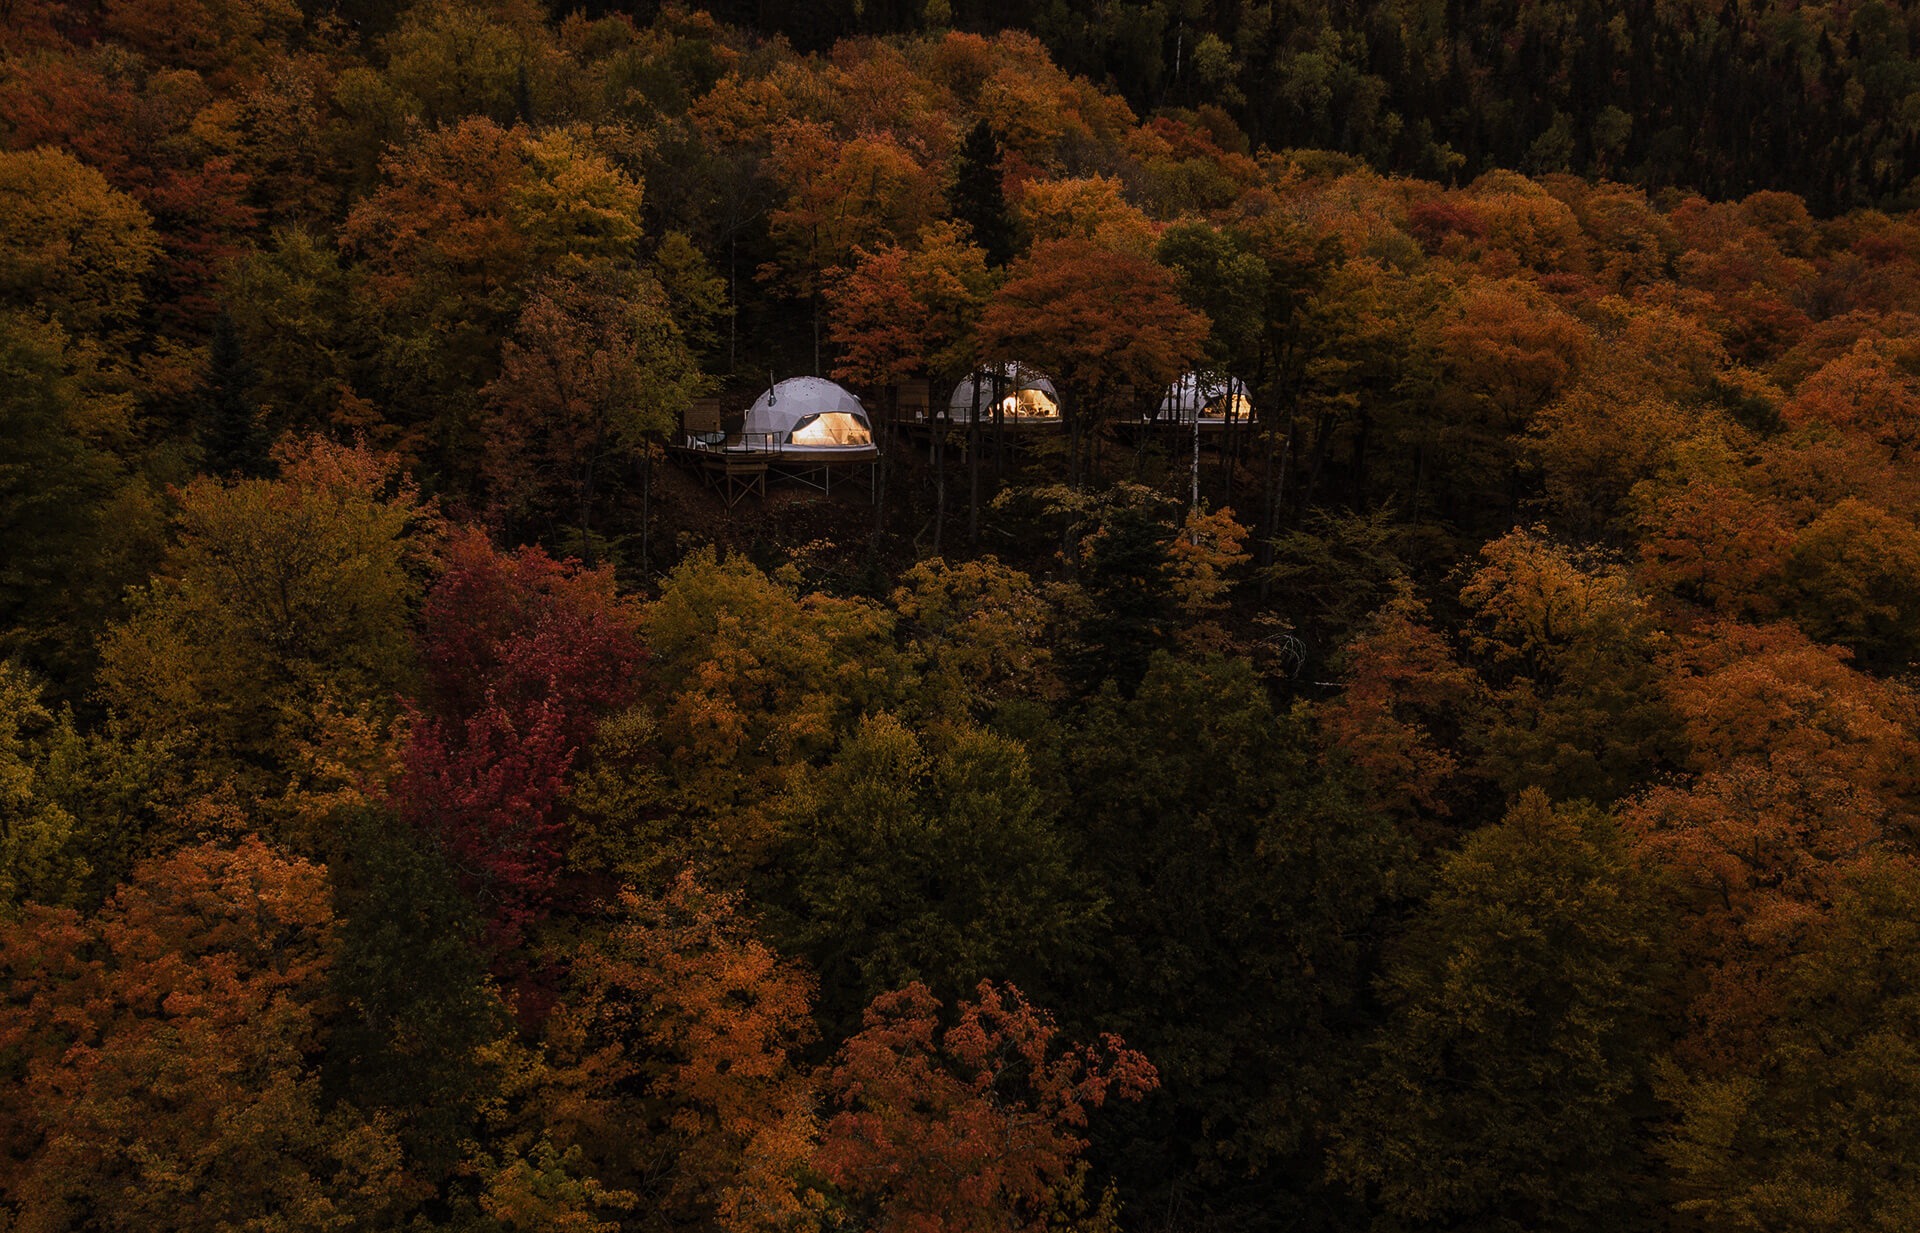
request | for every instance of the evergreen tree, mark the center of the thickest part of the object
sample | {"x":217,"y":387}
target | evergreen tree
{"x":977,"y":198}
{"x":232,"y":437}
{"x":53,"y":486}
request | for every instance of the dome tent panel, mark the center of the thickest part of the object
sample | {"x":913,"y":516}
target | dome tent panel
{"x":810,"y":416}
{"x":1026,"y":395}
{"x":1213,"y":398}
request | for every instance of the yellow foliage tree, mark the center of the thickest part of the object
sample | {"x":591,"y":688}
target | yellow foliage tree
{"x":280,"y":601}
{"x":71,"y":246}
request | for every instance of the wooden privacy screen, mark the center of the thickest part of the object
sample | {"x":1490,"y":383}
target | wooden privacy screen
{"x":703,"y":415}
{"x":914,"y":398}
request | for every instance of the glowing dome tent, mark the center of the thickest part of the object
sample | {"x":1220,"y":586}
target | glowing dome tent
{"x":808,"y":417}
{"x":1027,"y":397}
{"x":1216,"y":400}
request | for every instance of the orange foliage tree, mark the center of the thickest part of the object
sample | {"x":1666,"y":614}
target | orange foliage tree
{"x":676,"y":1073}
{"x":160,"y":1057}
{"x":974,"y":1128}
{"x":1406,"y":693}
{"x":903,"y":312}
{"x":1097,"y":320}
{"x":1805,"y":782}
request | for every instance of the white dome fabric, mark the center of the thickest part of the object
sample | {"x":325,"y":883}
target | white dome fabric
{"x":809,"y":413}
{"x":1026,"y":395}
{"x":1214,"y":398}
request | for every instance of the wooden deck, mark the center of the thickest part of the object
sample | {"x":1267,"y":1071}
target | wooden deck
{"x":737,"y":472}
{"x":734,"y":474}
{"x":1210,"y":430}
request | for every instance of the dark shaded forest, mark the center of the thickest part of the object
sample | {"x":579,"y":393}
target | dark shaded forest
{"x":1476,"y":791}
{"x":1725,"y":99}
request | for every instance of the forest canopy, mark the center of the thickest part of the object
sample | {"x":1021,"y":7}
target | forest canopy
{"x":1467,"y":785}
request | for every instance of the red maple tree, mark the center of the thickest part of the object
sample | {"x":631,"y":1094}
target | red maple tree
{"x":524,"y":654}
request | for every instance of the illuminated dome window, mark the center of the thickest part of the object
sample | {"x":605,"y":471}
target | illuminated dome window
{"x":1030,"y":404}
{"x":1026,"y":396}
{"x":1234,"y":406}
{"x":831,"y":428}
{"x":1214,"y":399}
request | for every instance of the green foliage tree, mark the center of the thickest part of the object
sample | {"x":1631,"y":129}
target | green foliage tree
{"x":1571,"y":652}
{"x":749,"y":680}
{"x":1220,"y":277}
{"x":1126,"y":605}
{"x":40,"y":859}
{"x":1850,"y":575}
{"x":282,"y":603}
{"x":928,"y":857}
{"x":981,"y":634}
{"x":452,"y":60}
{"x":1510,"y":1086}
{"x":1241,"y":886}
{"x":233,"y":440}
{"x":596,"y":367}
{"x":417,"y":1012}
{"x":1819,"y":1133}
{"x":68,"y":509}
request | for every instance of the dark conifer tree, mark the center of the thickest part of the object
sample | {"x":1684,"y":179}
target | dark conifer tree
{"x":1133,"y":607}
{"x":232,"y":436}
{"x":978,"y":200}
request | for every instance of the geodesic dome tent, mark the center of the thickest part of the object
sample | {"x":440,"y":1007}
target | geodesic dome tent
{"x":1026,"y":395}
{"x":1215,"y":399}
{"x":808,"y":417}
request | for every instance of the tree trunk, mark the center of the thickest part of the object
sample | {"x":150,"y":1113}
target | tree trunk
{"x":1093,"y":452}
{"x":973,"y":466}
{"x":1229,"y":448}
{"x":588,"y":481}
{"x":1276,"y":484}
{"x":1419,"y":479}
{"x":1322,"y":441}
{"x":1071,"y":406}
{"x":999,"y":432}
{"x":942,"y":420}
{"x":880,"y":467}
{"x":646,"y":511}
{"x":1360,"y":460}
{"x":813,"y":281}
{"x":1193,"y":500}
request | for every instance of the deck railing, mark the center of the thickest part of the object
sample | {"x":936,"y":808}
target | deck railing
{"x":733,"y":442}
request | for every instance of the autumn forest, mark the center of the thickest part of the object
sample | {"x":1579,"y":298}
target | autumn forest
{"x":451,"y":780}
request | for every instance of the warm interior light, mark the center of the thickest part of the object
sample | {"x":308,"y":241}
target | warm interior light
{"x":831,"y":428}
{"x":1233,"y":407}
{"x":1029,"y":404}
